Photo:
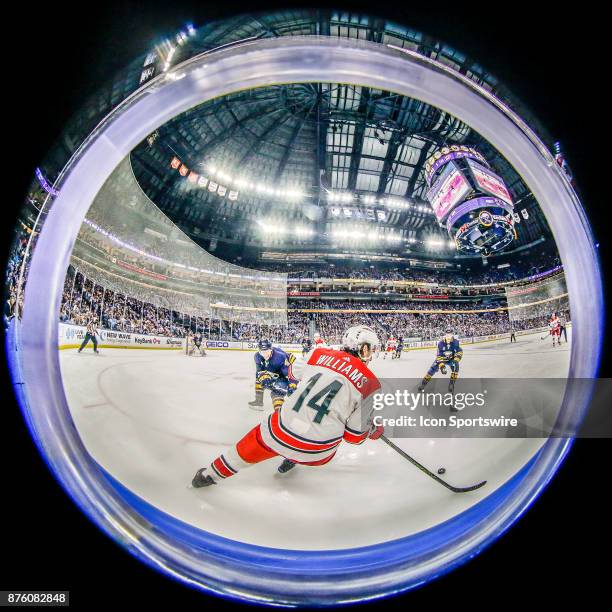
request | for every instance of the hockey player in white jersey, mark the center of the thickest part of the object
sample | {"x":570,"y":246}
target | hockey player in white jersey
{"x":391,"y":346}
{"x":318,"y":341}
{"x":554,"y":327}
{"x":325,"y":410}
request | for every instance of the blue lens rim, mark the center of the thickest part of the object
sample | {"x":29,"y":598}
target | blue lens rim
{"x":35,"y":367}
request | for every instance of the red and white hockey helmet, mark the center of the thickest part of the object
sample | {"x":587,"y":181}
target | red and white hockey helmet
{"x":355,"y":337}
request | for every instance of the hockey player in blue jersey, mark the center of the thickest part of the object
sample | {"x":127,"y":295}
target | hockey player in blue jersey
{"x":399,"y":348}
{"x":273,"y":371}
{"x":449,"y":354}
{"x":306,"y":346}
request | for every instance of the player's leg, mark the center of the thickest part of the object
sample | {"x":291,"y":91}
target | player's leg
{"x":95,"y":343}
{"x":430,"y":373}
{"x":259,"y":394}
{"x":84,"y":343}
{"x":454,"y":366}
{"x":288,"y":464}
{"x":248,"y":451}
{"x":278,"y":399}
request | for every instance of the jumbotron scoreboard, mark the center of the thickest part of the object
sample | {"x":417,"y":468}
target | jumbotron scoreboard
{"x":470,"y":200}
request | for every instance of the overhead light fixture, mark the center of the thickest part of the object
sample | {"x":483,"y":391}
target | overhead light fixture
{"x":396,"y":203}
{"x":291,"y":192}
{"x":303,"y":231}
{"x":337,"y":196}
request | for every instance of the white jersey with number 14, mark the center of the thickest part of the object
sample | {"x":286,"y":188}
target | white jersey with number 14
{"x":325,"y":409}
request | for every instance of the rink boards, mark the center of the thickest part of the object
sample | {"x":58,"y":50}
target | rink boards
{"x":71,"y":336}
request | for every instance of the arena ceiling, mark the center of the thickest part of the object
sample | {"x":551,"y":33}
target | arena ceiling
{"x":312,"y":169}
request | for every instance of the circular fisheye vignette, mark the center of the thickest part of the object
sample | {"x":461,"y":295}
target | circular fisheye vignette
{"x":253,"y":573}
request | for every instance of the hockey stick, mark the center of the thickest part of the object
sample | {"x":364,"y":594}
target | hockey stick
{"x":431,"y":474}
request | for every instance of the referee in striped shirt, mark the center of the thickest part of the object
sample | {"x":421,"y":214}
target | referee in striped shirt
{"x":90,"y":335}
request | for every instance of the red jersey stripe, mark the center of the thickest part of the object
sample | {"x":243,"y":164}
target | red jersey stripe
{"x":353,"y":369}
{"x":354,"y":438}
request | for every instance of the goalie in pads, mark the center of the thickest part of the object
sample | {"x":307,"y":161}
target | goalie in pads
{"x":196,"y":343}
{"x":324,"y":411}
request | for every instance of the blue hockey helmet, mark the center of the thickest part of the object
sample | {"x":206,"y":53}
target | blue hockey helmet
{"x":264,"y":345}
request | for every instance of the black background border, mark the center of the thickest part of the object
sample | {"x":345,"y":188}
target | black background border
{"x":55,"y":56}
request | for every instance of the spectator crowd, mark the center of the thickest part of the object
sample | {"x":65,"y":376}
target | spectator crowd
{"x":83,"y":301}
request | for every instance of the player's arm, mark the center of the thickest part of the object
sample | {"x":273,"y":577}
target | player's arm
{"x":262,"y":376}
{"x":286,"y":371}
{"x":353,"y":429}
{"x":458,"y":352}
{"x":298,"y":367}
{"x":286,"y":367}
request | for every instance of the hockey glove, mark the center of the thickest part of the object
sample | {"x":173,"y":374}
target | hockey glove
{"x":265,"y":379}
{"x":376,"y":431}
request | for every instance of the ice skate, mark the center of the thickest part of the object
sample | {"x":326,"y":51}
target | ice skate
{"x":285,"y":466}
{"x":202,"y":480}
{"x":257,"y":403}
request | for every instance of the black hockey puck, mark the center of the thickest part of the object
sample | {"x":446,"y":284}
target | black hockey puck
{"x":442,"y":471}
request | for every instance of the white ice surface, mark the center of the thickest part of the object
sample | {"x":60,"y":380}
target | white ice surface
{"x":152,"y":418}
